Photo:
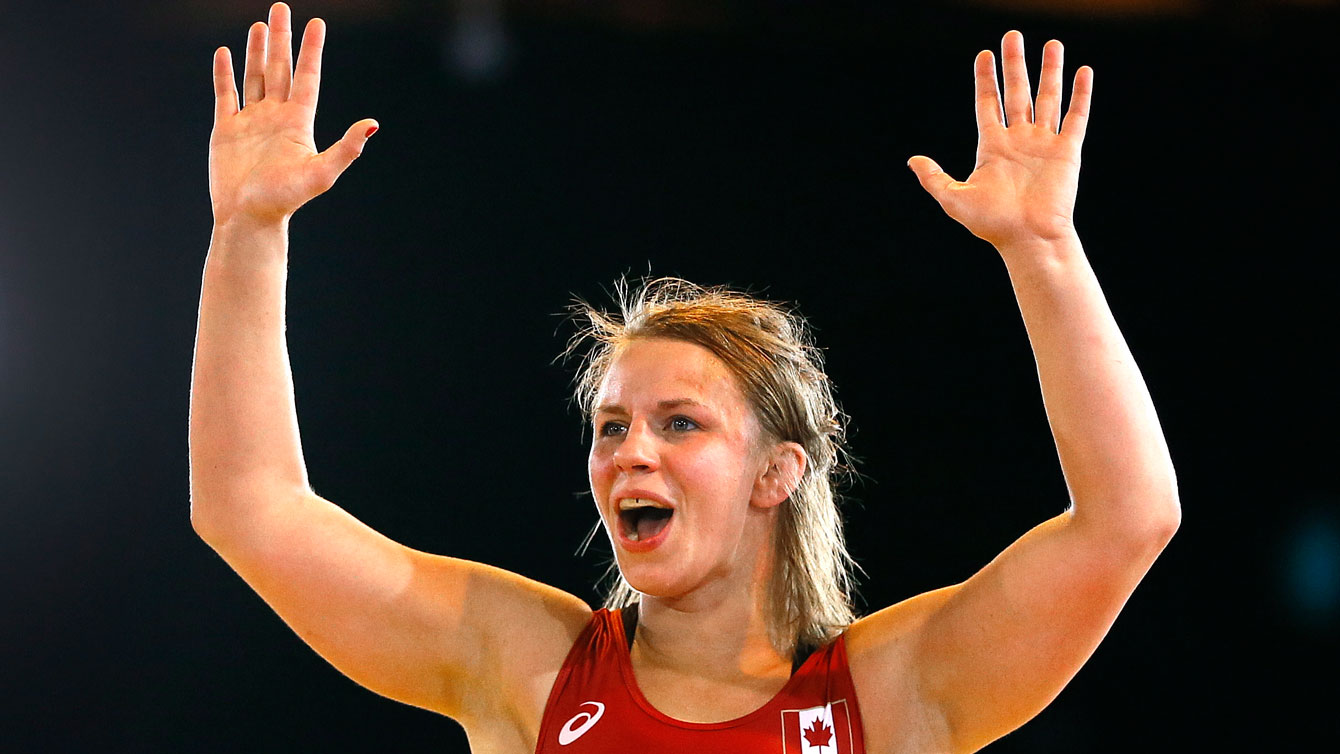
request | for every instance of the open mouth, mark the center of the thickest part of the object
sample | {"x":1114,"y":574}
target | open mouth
{"x":644,"y":522}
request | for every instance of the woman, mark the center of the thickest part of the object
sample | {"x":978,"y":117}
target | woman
{"x":707,"y":442}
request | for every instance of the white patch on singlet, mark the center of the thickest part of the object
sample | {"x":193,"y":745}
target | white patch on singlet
{"x":583,"y":720}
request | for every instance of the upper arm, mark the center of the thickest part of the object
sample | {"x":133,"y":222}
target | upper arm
{"x":979,"y":659}
{"x":415,"y":627}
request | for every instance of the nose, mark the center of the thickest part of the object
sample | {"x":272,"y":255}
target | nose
{"x":637,"y":449}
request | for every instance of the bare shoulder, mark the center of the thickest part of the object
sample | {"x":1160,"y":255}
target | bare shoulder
{"x":428,"y":630}
{"x":524,"y":630}
{"x":882,"y":652}
{"x":470,"y":641}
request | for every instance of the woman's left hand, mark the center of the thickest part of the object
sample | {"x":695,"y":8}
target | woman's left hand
{"x":1023,"y":186}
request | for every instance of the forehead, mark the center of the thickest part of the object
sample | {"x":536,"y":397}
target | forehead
{"x":653,"y":370}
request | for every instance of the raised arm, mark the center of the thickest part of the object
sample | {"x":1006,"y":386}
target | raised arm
{"x":414,"y":627}
{"x":986,"y":655}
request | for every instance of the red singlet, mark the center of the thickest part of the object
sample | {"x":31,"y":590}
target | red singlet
{"x":595,"y":707}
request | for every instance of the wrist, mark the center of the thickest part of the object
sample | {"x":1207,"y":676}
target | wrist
{"x":244,"y":223}
{"x":1039,"y":251}
{"x":1045,"y":265}
{"x":246,"y":241}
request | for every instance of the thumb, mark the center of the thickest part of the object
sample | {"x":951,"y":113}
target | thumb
{"x":933,"y":179}
{"x":340,"y":155}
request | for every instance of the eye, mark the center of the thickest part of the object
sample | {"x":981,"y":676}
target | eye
{"x":682,"y":424}
{"x":610,"y":429}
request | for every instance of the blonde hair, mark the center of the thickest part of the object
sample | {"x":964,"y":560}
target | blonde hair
{"x":770,"y":351}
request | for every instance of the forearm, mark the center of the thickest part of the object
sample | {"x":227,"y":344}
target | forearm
{"x":244,"y":443}
{"x":1111,"y":447}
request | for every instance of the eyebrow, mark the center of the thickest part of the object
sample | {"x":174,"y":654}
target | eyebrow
{"x":666,"y":405}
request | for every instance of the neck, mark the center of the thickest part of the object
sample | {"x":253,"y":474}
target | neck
{"x":721,"y":641}
{"x":720,"y":629}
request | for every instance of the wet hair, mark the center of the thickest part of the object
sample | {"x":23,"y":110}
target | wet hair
{"x":770,"y":351}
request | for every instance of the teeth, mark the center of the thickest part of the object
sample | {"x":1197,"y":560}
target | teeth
{"x":632,"y":535}
{"x":632,"y":503}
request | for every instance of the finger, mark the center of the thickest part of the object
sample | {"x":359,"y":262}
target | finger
{"x":279,"y":61}
{"x":336,"y":159}
{"x":307,"y":76}
{"x":225,"y":87}
{"x":253,"y":75}
{"x":1049,"y":86}
{"x":1014,"y":71}
{"x":936,"y":181}
{"x":1077,"y":117}
{"x":988,"y":92}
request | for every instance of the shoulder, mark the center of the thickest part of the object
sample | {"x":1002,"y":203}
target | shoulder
{"x":882,"y":640}
{"x":526,"y":630}
{"x":881,"y":652}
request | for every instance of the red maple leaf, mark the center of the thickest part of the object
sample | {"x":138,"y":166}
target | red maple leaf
{"x":820,"y":736}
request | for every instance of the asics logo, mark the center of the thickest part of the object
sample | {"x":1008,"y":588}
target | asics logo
{"x":583,"y":721}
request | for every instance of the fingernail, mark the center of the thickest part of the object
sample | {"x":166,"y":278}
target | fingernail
{"x":371,"y":130}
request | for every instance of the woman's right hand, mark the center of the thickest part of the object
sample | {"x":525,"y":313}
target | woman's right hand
{"x":263,"y":163}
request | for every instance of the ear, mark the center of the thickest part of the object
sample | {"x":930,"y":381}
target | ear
{"x":784,"y":466}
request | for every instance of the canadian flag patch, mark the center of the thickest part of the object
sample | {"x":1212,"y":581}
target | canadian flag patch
{"x":817,"y":730}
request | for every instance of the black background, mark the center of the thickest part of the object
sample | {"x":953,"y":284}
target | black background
{"x":761,"y":144}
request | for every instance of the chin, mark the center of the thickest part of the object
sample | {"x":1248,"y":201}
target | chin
{"x":650,"y":582}
{"x":661,"y":580}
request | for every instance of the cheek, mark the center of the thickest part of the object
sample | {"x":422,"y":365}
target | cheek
{"x":719,"y":475}
{"x":599,"y":469}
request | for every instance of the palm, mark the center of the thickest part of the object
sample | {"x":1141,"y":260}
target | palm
{"x":1027,"y":172}
{"x":263,"y":161}
{"x":258,"y":161}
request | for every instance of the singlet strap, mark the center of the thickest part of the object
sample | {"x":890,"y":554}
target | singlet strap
{"x":802,"y":654}
{"x":629,"y":617}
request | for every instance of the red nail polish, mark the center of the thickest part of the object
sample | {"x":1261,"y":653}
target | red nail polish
{"x":371,"y":130}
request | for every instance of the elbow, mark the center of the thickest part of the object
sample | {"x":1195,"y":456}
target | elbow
{"x":1162,"y":519}
{"x":1166,"y":514}
{"x":1159,"y":531}
{"x":226,"y":516}
{"x":1145,"y":523}
{"x":1159,"y":504}
{"x":202,"y":523}
{"x":203,"y":502}
{"x":214,"y":513}
{"x":1172,"y":520}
